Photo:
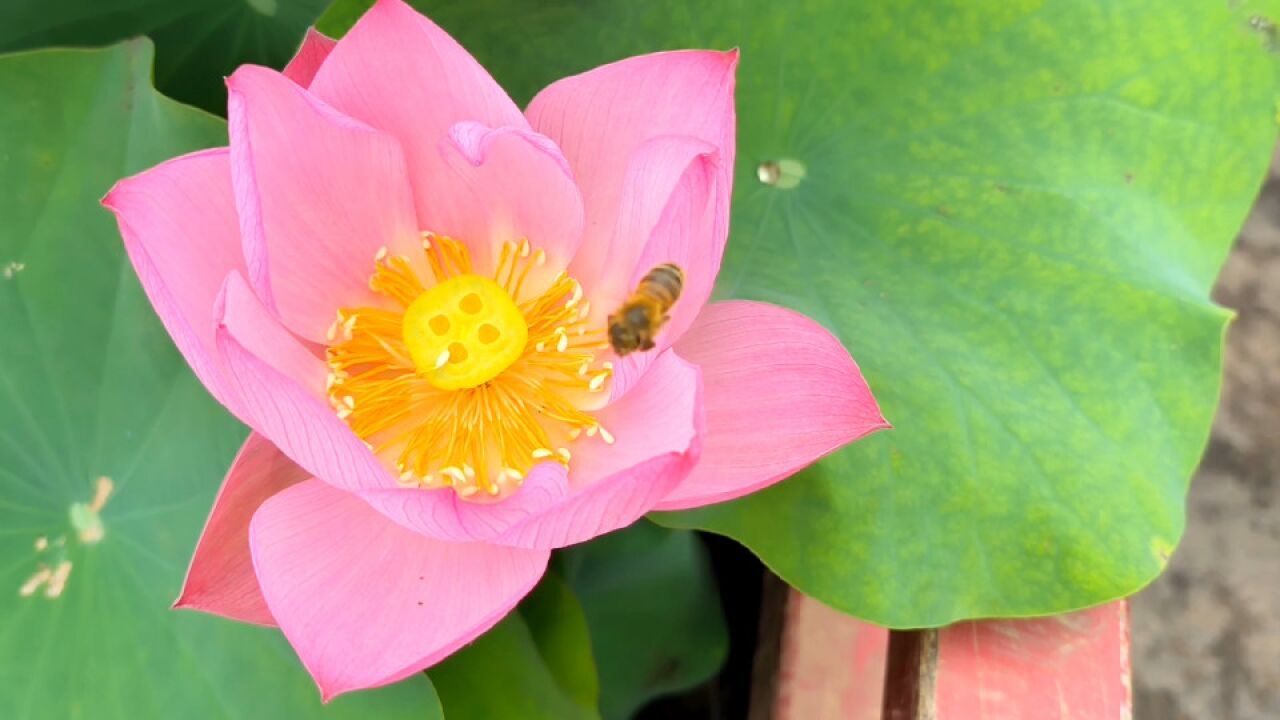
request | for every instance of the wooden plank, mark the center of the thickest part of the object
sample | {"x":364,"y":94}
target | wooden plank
{"x":831,"y":666}
{"x":1069,"y":667}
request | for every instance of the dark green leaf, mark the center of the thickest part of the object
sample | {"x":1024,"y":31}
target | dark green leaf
{"x":534,"y":665}
{"x":1011,"y":212}
{"x":198,"y":42}
{"x":90,"y":386}
{"x":559,"y":630}
{"x":653,"y":611}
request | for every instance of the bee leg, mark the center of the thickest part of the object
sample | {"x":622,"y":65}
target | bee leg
{"x":648,"y":345}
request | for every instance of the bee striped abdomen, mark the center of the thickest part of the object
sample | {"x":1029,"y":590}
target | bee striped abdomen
{"x":664,"y":284}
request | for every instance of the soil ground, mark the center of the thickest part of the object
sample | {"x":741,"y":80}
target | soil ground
{"x":1206,"y":635}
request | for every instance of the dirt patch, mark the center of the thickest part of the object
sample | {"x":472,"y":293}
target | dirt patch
{"x":1207,"y":634}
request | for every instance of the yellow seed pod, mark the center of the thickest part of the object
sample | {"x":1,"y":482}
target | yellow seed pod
{"x":464,"y":332}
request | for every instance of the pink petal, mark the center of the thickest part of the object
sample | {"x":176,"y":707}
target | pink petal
{"x":242,"y":313}
{"x":178,"y":221}
{"x":282,"y":386}
{"x":500,"y":184}
{"x":399,"y":72}
{"x":781,"y":392}
{"x":315,"y":48}
{"x":220,"y":579}
{"x":602,"y":118}
{"x":684,"y":234}
{"x":365,"y":602}
{"x":657,"y":429}
{"x":318,"y":194}
{"x":653,"y":175}
{"x":442,"y":515}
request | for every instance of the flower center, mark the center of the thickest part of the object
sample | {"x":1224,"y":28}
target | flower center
{"x":464,"y":332}
{"x":470,"y":380}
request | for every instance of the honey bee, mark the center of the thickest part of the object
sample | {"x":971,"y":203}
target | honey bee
{"x":643,"y":314}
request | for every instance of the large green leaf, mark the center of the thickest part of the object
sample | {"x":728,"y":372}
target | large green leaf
{"x":1011,"y":212}
{"x":91,"y":387}
{"x":559,"y":629}
{"x":198,"y":42}
{"x":534,"y":665}
{"x":653,"y":611}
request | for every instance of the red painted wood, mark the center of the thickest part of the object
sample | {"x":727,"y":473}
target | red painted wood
{"x":1073,"y":666}
{"x":1069,"y":667}
{"x":831,"y":666}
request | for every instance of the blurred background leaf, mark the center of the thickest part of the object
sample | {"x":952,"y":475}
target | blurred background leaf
{"x":534,"y":665}
{"x":90,"y":386}
{"x":638,"y":606}
{"x":559,"y":630}
{"x":198,"y":42}
{"x":1011,"y":213}
{"x":653,"y":611}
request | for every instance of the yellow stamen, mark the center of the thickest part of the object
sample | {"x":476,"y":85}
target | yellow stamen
{"x":471,"y":378}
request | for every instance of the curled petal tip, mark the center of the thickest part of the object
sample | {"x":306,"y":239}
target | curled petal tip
{"x":107,"y":200}
{"x":238,"y":76}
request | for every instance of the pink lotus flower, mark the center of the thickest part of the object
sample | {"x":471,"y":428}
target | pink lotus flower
{"x":401,"y":283}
